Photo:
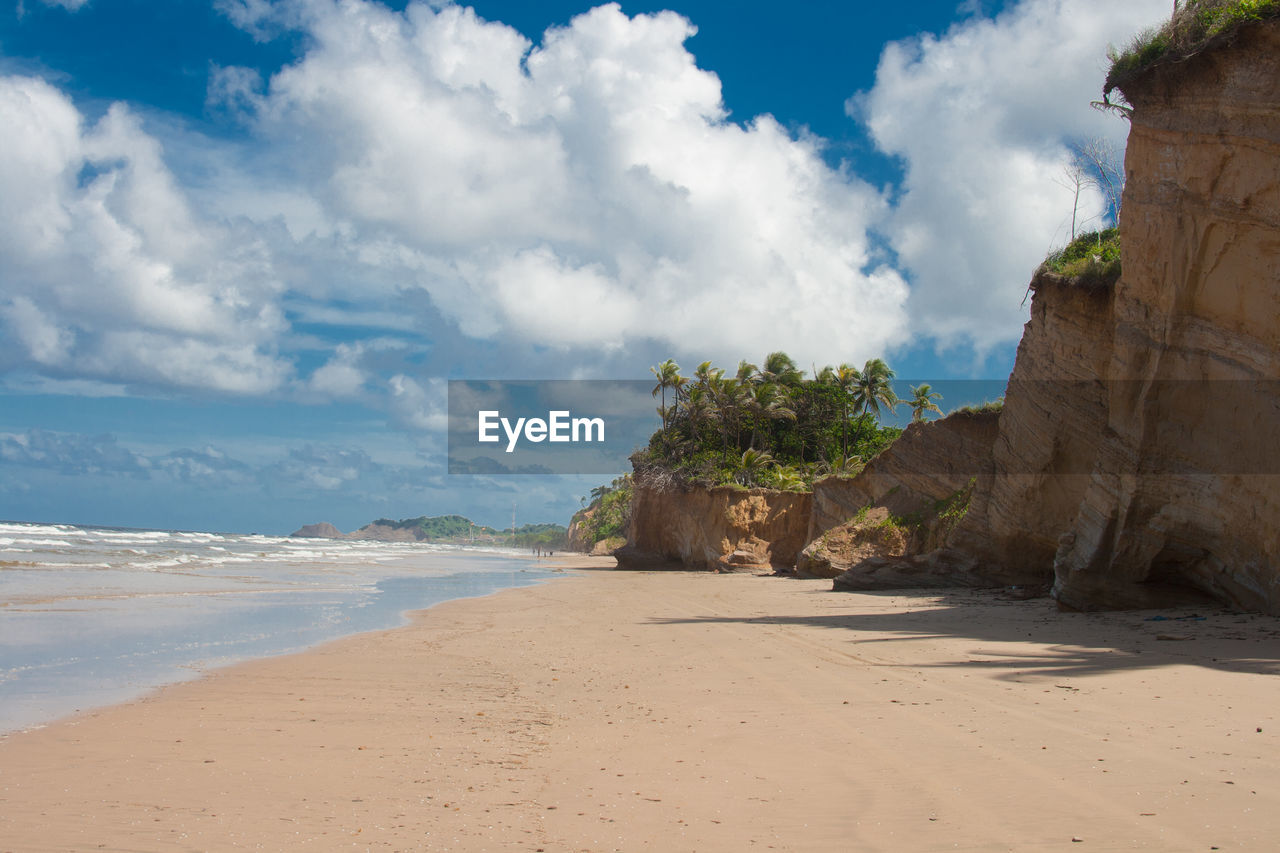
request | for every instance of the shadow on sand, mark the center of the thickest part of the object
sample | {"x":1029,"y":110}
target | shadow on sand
{"x":1058,"y":644}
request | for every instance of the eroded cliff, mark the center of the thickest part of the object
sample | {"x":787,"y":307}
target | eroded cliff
{"x":891,"y":525}
{"x":1133,"y":463}
{"x":1183,"y":494}
{"x":718,"y":528}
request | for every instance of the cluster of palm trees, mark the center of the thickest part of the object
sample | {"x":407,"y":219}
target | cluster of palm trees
{"x":769,"y":418}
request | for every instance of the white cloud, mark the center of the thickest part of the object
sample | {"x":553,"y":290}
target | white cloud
{"x":418,"y":405}
{"x":325,"y":468}
{"x":585,"y":194}
{"x":342,"y":375}
{"x":71,"y":5}
{"x":207,"y":468}
{"x":981,"y":118}
{"x":72,"y":453}
{"x":108,"y":272}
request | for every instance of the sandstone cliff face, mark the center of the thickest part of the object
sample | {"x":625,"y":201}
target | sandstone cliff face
{"x":1183,"y":494}
{"x":1053,"y":418}
{"x":886,"y":527}
{"x":1134,"y":463}
{"x":720,"y":528}
{"x":929,"y":462}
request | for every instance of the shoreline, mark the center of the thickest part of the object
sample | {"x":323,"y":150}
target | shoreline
{"x":689,"y":711}
{"x":123,"y":644}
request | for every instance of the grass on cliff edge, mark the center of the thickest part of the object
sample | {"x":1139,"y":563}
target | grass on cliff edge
{"x":1195,"y":25}
{"x":1090,"y":260}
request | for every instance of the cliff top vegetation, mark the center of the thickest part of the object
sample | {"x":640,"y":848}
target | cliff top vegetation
{"x":770,"y":426}
{"x":608,"y":515}
{"x":1195,"y":26}
{"x":1091,"y":260}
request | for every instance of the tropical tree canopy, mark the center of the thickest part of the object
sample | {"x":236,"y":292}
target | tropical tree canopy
{"x":769,"y":425}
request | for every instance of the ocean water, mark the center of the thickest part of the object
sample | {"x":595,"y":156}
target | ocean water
{"x":95,"y":616}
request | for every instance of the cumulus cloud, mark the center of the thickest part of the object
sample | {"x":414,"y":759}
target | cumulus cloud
{"x":587,"y":193}
{"x":108,"y":272}
{"x":206,"y":468}
{"x":341,"y":376}
{"x":323,"y":468}
{"x":419,"y":405}
{"x":72,"y":453}
{"x":982,"y":118}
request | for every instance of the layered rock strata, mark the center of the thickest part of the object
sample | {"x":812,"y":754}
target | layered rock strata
{"x":715,"y":529}
{"x":1134,"y":461}
{"x":1184,"y":495}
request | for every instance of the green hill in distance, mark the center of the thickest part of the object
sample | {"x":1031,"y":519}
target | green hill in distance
{"x":453,"y":529}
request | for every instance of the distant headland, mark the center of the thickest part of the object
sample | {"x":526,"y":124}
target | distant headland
{"x":442,"y":529}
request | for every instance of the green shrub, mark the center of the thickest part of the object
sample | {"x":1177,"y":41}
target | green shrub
{"x":1195,"y":25}
{"x":609,"y":514}
{"x":996,"y":405}
{"x":1090,"y":260}
{"x":952,"y":510}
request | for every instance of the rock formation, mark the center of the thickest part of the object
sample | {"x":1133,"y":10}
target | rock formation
{"x":1184,"y":494}
{"x":893,"y":524}
{"x":577,"y":536}
{"x":1133,"y":465}
{"x":321,"y":530}
{"x":720,"y":528}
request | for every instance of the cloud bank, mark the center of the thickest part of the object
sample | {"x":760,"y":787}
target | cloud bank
{"x":425,"y":170}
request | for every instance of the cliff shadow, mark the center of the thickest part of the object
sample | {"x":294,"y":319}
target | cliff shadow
{"x":1015,"y":639}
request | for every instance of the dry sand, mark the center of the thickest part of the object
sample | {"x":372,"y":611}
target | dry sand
{"x":672,"y":712}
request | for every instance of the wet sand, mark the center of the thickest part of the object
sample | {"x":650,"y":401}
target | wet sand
{"x":669,"y":711}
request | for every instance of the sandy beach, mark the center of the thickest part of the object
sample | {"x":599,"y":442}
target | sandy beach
{"x":628,"y":711}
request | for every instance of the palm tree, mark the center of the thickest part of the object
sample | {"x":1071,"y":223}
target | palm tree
{"x":789,"y":478}
{"x":698,"y":410}
{"x":668,"y":374}
{"x":706,"y":375}
{"x":766,"y":403}
{"x":846,"y":378}
{"x":847,"y":466}
{"x":753,"y":464}
{"x":874,"y":387}
{"x":922,"y":397}
{"x":779,"y":368}
{"x":728,"y":396}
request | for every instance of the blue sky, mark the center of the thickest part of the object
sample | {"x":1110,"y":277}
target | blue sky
{"x":244,"y":243}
